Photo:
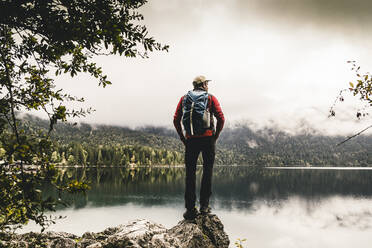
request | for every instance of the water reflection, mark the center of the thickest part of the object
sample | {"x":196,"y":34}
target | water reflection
{"x":269,"y":207}
{"x":116,"y":186}
{"x":235,"y":187}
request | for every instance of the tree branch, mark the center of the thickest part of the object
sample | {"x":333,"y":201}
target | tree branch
{"x":9,"y":87}
{"x":350,"y":137}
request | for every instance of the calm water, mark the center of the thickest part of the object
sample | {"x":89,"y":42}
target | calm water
{"x":269,"y":207}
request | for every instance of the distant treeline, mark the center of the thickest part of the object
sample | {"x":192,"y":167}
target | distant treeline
{"x":86,"y":144}
{"x":113,"y":155}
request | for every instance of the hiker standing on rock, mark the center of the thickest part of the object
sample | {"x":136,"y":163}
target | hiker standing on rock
{"x":195,"y":110}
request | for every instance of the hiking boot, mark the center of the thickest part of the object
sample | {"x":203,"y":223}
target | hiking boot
{"x":190,"y":214}
{"x":205,"y":210}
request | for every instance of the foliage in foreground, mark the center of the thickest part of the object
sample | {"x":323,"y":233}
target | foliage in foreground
{"x":239,"y":243}
{"x":40,"y":39}
{"x":361,"y":88}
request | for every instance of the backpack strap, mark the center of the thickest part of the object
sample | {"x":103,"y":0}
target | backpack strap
{"x":209,"y":106}
{"x":183,"y":101}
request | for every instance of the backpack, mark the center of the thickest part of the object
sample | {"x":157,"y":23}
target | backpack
{"x":196,"y":115}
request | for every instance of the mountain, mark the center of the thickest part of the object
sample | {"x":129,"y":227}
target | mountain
{"x":104,"y":144}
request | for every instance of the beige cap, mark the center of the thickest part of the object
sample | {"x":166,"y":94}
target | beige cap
{"x":199,"y":80}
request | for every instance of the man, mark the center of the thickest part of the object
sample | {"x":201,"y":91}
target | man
{"x":200,"y":136}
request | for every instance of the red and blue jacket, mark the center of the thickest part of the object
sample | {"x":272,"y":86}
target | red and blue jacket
{"x":214,"y":108}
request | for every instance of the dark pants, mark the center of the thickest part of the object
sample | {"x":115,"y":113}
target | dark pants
{"x":205,"y":145}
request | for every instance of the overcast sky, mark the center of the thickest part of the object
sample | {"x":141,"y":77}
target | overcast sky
{"x":271,"y":62}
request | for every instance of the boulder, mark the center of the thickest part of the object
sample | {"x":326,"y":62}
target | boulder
{"x":206,"y":231}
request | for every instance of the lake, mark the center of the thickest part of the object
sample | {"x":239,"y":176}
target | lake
{"x":270,"y":207}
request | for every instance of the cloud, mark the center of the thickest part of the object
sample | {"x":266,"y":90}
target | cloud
{"x":268,"y":59}
{"x":332,"y":13}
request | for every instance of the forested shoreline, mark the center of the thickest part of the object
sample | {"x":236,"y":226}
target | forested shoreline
{"x":117,"y":155}
{"x":102,"y":145}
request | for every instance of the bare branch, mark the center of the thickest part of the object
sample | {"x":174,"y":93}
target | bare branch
{"x":350,"y":137}
{"x":339,"y":97}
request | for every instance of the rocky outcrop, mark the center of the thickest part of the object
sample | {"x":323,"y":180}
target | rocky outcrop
{"x":206,"y":232}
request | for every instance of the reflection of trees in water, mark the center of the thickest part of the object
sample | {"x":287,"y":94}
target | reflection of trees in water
{"x":242,"y":185}
{"x":112,"y":186}
{"x":232,"y":186}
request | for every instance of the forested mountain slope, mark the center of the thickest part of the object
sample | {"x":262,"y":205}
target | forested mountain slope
{"x":274,"y":147}
{"x":113,"y":145}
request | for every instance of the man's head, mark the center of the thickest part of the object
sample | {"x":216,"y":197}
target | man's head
{"x":200,"y":82}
